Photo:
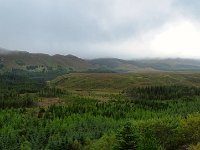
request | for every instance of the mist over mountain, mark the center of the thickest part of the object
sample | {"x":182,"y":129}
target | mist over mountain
{"x":22,"y":60}
{"x":4,"y":51}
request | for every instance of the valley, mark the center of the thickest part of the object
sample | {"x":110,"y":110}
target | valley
{"x":99,"y":75}
{"x":87,"y":111}
{"x":39,"y":62}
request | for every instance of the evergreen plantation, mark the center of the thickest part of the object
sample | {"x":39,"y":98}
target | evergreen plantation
{"x":113,"y":111}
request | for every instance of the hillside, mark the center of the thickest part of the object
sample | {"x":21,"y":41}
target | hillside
{"x":24,"y":60}
{"x":170,"y":64}
{"x":114,"y":82}
{"x":119,"y":65}
{"x":42,"y":62}
{"x":145,"y":65}
{"x":4,"y":51}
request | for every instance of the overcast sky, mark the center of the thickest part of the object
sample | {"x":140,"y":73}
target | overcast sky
{"x":102,"y":28}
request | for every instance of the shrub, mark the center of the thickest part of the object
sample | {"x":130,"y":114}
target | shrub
{"x":194,"y":147}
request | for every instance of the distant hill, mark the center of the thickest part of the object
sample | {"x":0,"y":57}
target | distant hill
{"x":4,"y":51}
{"x":42,"y":62}
{"x":120,"y":65}
{"x":23,"y":60}
{"x":138,"y":65}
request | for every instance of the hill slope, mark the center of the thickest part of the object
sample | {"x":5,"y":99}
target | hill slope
{"x":119,"y":81}
{"x":144,"y":65}
{"x":32,"y":61}
{"x":22,"y":60}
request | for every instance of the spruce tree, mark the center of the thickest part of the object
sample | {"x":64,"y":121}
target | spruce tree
{"x":127,"y":139}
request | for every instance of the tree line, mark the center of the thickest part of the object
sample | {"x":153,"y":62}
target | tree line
{"x":162,"y":92}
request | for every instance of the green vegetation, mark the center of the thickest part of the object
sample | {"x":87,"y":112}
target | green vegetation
{"x":116,"y":82}
{"x":20,"y":89}
{"x":1,"y":66}
{"x":19,"y":62}
{"x":194,"y":147}
{"x":50,"y":92}
{"x":157,"y":111}
{"x":39,"y":76}
{"x":162,"y":92}
{"x":99,"y":70}
{"x":126,"y":138}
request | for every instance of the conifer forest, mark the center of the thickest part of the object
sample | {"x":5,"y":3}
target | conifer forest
{"x":92,"y":111}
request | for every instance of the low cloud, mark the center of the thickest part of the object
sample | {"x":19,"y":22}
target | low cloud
{"x":101,"y":28}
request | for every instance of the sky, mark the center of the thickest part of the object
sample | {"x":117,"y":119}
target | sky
{"x":125,"y":29}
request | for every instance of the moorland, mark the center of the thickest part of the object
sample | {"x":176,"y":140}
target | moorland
{"x":49,"y":106}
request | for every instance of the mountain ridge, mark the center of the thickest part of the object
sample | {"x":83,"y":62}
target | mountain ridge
{"x":21,"y":59}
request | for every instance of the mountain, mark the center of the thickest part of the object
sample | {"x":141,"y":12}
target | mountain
{"x":4,"y":51}
{"x":23,"y":60}
{"x":170,"y":64}
{"x":119,"y":65}
{"x":38,"y":61}
{"x":175,"y":64}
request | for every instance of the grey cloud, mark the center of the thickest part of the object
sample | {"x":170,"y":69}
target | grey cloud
{"x":72,"y":26}
{"x":188,"y":8}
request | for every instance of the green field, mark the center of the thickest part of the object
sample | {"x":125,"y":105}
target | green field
{"x":100,"y":111}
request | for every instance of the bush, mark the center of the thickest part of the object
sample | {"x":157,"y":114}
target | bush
{"x":190,"y":129}
{"x":194,"y":147}
{"x":106,"y":142}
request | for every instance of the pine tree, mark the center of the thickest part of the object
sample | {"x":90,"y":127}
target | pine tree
{"x":127,"y":139}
